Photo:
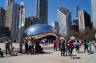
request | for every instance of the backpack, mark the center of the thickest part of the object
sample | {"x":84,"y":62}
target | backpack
{"x":86,"y":43}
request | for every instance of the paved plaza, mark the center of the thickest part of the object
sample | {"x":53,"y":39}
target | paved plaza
{"x":51,"y":56}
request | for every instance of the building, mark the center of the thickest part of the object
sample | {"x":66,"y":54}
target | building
{"x":15,"y":21}
{"x":4,"y":31}
{"x":2,"y":17}
{"x":55,"y":26}
{"x":93,"y":6}
{"x":28,"y":22}
{"x":75,"y":25}
{"x":77,"y":10}
{"x":9,"y":13}
{"x":42,"y":11}
{"x":84,"y":20}
{"x":35,"y":20}
{"x":31,"y":21}
{"x":64,"y":19}
{"x":75,"y":21}
{"x":15,"y":17}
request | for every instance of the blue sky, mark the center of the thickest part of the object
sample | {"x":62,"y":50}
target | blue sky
{"x":53,"y":6}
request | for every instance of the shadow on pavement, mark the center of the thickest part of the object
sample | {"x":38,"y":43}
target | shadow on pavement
{"x":48,"y":52}
{"x":80,"y":52}
{"x":76,"y":57}
{"x":91,"y":52}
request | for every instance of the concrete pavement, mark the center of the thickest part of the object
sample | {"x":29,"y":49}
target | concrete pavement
{"x":51,"y":57}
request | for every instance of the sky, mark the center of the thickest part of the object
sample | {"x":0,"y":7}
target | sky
{"x":53,"y":5}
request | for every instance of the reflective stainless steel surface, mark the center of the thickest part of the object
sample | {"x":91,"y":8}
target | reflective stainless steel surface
{"x":37,"y":29}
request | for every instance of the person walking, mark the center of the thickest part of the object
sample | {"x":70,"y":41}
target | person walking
{"x":33,"y":45}
{"x":21,"y":45}
{"x":26,"y":46}
{"x":29,"y":46}
{"x":10,"y":43}
{"x":55,"y":45}
{"x":70,"y":48}
{"x":43,"y":42}
{"x":46,"y":42}
{"x":90,"y":49}
{"x":59,"y":44}
{"x":33,"y":48}
{"x":67,"y":48}
{"x":7,"y":47}
{"x":62,"y":47}
{"x":94,"y":44}
{"x":86,"y":44}
{"x":77,"y":45}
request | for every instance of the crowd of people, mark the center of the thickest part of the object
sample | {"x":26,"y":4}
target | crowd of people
{"x":67,"y":47}
{"x":32,"y":46}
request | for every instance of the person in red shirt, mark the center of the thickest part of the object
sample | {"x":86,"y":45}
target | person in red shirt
{"x":55,"y":45}
{"x":70,"y":48}
{"x":67,"y":48}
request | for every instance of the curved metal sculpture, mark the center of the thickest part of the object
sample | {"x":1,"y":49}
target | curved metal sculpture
{"x":37,"y":29}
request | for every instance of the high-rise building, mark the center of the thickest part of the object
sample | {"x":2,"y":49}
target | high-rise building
{"x":42,"y":11}
{"x":15,"y":20}
{"x":35,"y":20}
{"x":4,"y":31}
{"x":93,"y":6}
{"x":84,"y":21}
{"x":75,"y":25}
{"x":55,"y":25}
{"x":77,"y":10}
{"x":31,"y":21}
{"x":9,"y":13}
{"x":2,"y":17}
{"x":64,"y":18}
{"x":15,"y":17}
{"x":28,"y":22}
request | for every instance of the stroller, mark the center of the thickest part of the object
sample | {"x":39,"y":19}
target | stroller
{"x":13,"y":51}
